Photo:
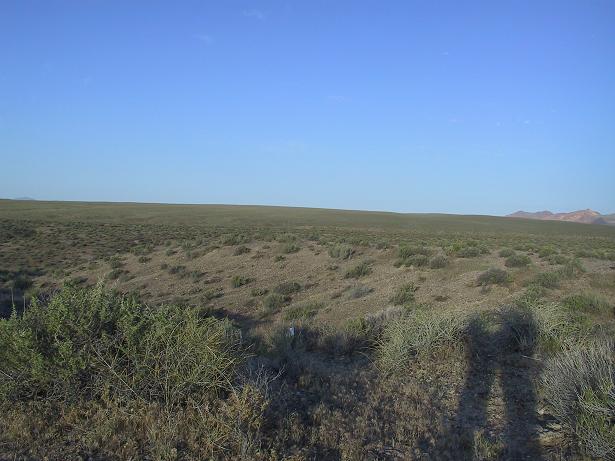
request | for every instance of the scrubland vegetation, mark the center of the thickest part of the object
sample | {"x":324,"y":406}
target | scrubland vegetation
{"x":221,"y":333}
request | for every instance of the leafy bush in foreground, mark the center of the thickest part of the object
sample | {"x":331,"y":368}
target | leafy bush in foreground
{"x":89,"y":342}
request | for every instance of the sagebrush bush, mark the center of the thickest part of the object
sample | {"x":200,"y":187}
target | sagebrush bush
{"x":359,"y":270}
{"x":341,"y":251}
{"x":239,"y":281}
{"x":547,"y":279}
{"x":493,"y":276}
{"x":557,"y":259}
{"x":517,"y":261}
{"x":287,"y":288}
{"x":273,"y":302}
{"x":471,"y":252}
{"x":579,"y":387}
{"x":438,"y":262}
{"x":506,"y":252}
{"x":404,"y":295}
{"x":406,"y":251}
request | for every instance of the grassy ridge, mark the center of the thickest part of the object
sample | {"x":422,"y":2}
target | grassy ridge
{"x":269,"y":216}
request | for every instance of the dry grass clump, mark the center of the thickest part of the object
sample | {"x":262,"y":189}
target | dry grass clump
{"x":420,"y":332}
{"x":579,"y":387}
{"x":587,"y":302}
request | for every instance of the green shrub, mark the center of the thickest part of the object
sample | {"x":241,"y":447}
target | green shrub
{"x":88,"y":343}
{"x":517,"y":261}
{"x":414,"y":260}
{"x":302,"y":311}
{"x":239,"y":281}
{"x":287,"y":288}
{"x":493,"y":276}
{"x":235,"y":239}
{"x":547,"y":279}
{"x":406,"y":251}
{"x":469,"y":252}
{"x":341,"y":251}
{"x":115,"y":262}
{"x":588,"y":302}
{"x":274,"y":301}
{"x":506,"y":252}
{"x":359,"y":270}
{"x":438,"y":262}
{"x":404,"y":294}
{"x":545,"y":252}
{"x":579,"y":387}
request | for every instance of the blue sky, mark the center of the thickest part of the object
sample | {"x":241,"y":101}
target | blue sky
{"x":415,"y":106}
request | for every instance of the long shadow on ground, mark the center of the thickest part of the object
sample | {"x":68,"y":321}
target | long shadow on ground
{"x":506,"y":351}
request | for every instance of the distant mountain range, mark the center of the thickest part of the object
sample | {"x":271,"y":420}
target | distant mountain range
{"x":581,"y":216}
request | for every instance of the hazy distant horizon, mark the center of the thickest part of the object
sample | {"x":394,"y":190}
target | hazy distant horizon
{"x":297,"y":206}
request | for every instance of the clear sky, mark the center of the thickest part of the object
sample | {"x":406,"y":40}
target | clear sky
{"x":417,"y":106}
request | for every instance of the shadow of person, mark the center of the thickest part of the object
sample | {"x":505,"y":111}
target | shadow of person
{"x":505,"y":351}
{"x":519,"y":335}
